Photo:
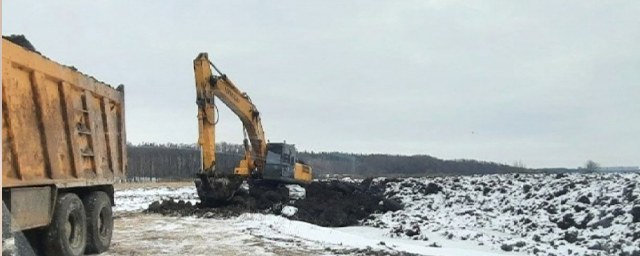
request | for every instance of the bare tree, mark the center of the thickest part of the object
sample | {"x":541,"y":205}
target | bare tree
{"x":519,"y":164}
{"x":591,"y":166}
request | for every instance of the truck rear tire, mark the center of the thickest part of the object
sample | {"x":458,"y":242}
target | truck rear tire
{"x":99,"y":222}
{"x":67,"y":233}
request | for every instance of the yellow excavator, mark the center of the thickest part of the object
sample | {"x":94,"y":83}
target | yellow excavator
{"x":264,"y":163}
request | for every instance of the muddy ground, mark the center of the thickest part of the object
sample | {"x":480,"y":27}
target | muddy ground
{"x":142,"y":234}
{"x":327,"y":203}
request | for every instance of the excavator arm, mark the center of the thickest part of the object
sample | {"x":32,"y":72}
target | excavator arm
{"x":209,"y":85}
{"x":213,"y":184}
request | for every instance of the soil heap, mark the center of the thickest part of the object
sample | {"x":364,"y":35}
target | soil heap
{"x":333,"y":203}
{"x":22,"y":41}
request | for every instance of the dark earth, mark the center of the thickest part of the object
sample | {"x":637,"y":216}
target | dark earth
{"x":327,"y":203}
{"x":22,"y":41}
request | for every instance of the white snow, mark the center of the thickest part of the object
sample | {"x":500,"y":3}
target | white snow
{"x":138,"y":199}
{"x":296,"y":192}
{"x":274,"y":231}
{"x":472,"y":215}
{"x":289,"y":210}
{"x":270,"y":226}
{"x":494,"y":210}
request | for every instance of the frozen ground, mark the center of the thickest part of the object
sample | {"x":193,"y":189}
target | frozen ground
{"x":139,"y":198}
{"x":136,"y":233}
{"x":475,"y":215}
{"x":575,"y":214}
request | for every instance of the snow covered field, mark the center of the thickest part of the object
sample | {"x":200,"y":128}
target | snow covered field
{"x":574,"y":214}
{"x":475,"y":215}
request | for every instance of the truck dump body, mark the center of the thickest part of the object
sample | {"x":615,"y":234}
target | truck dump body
{"x":59,"y":126}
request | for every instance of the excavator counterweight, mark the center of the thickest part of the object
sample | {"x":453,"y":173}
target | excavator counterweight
{"x":272,"y":163}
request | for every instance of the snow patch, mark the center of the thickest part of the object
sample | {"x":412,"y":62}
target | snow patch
{"x":296,"y":192}
{"x":312,"y":236}
{"x":289,"y":210}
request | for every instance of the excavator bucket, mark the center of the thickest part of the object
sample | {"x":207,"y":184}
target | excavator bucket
{"x":218,"y":188}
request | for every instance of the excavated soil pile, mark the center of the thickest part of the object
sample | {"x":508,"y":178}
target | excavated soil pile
{"x":182,"y":208}
{"x":327,"y":203}
{"x":338,"y":204}
{"x":22,"y":41}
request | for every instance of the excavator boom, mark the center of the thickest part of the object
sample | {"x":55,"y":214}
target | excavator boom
{"x":220,"y":86}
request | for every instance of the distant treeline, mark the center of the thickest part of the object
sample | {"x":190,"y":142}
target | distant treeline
{"x":166,"y":162}
{"x":152,"y":161}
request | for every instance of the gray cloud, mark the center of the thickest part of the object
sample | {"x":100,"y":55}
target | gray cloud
{"x":551,"y":83}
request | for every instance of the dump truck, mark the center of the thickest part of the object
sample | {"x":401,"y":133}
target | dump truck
{"x":63,"y":147}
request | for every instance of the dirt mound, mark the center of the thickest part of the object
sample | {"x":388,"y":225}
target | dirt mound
{"x":327,"y":203}
{"x":549,"y":213}
{"x":339,"y":204}
{"x":182,"y":208}
{"x":22,"y":41}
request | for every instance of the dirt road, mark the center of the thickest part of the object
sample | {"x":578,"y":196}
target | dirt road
{"x":144,"y":234}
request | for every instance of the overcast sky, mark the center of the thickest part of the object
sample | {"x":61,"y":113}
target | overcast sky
{"x":550,"y":83}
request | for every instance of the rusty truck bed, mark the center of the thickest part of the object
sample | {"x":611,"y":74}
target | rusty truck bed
{"x":59,"y":126}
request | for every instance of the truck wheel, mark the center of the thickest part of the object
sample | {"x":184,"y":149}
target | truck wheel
{"x":99,"y":222}
{"x":66,"y":235}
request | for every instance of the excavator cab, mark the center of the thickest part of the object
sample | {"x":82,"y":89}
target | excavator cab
{"x":282,"y":164}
